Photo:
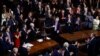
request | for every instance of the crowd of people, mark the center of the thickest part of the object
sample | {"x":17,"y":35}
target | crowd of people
{"x":24,"y":21}
{"x":72,"y":49}
{"x":66,"y":50}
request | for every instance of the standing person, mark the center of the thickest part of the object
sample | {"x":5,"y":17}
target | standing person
{"x":8,"y":39}
{"x":40,"y":9}
{"x":29,"y":19}
{"x":24,"y":35}
{"x":23,"y":51}
{"x":2,"y":45}
{"x":69,"y":24}
{"x":17,"y":38}
{"x":78,"y":24}
{"x":21,"y":21}
{"x":9,"y":36}
{"x":89,"y":21}
{"x":62,"y":17}
{"x":32,"y":33}
{"x":96,"y":23}
{"x":17,"y":11}
{"x":57,"y":25}
{"x":91,"y":45}
{"x":4,"y":15}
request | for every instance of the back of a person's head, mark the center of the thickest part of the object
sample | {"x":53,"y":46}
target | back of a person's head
{"x":66,"y":44}
{"x":15,"y":50}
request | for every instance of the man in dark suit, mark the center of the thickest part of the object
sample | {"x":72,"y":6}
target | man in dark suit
{"x":66,"y":53}
{"x":70,"y":50}
{"x":24,"y":34}
{"x":98,"y":45}
{"x":23,"y":51}
{"x":29,"y":19}
{"x":6,"y":42}
{"x":77,"y":24}
{"x":32,"y":33}
{"x":8,"y":39}
{"x":69,"y":24}
{"x":2,"y":44}
{"x":91,"y":46}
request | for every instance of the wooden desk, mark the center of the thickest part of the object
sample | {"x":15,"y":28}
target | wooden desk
{"x":79,"y":35}
{"x":39,"y":47}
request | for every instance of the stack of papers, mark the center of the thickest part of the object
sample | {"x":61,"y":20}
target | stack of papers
{"x":40,"y":40}
{"x":27,"y":45}
{"x":48,"y":38}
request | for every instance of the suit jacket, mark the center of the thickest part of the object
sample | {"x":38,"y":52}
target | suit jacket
{"x":98,"y":45}
{"x":92,"y":47}
{"x":32,"y":35}
{"x":11,"y":22}
{"x":55,"y":53}
{"x":71,"y":24}
{"x":28,"y":22}
{"x":23,"y":51}
{"x":2,"y":45}
{"x":66,"y":53}
{"x":10,"y":36}
{"x":23,"y":36}
{"x":20,"y":23}
{"x":48,"y":22}
{"x":73,"y":49}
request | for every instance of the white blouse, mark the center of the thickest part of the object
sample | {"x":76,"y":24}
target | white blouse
{"x":96,"y":23}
